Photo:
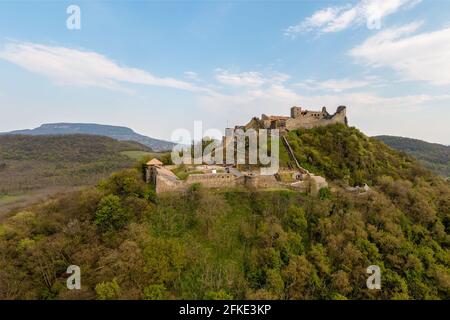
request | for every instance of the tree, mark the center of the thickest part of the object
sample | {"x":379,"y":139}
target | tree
{"x":125,"y":183}
{"x":108,"y":290}
{"x":218,"y":295}
{"x":110,"y":214}
{"x":300,"y":277}
{"x":155,"y":292}
{"x":340,"y":282}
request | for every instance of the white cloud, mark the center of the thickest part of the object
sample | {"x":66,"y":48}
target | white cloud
{"x":336,"y":85}
{"x":67,"y":66}
{"x":338,"y":18}
{"x":276,"y":96}
{"x":317,"y":20}
{"x":248,"y":79}
{"x":191,"y":75}
{"x":370,"y":112}
{"x":424,"y":56}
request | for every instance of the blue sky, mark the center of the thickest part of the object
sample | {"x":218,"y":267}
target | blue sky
{"x":158,"y":66}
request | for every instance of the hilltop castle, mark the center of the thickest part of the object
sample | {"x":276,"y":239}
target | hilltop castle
{"x":295,"y":177}
{"x":299,"y":118}
{"x":164,"y":179}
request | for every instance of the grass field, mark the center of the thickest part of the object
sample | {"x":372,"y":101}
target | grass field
{"x":138,"y":155}
{"x":7,"y":199}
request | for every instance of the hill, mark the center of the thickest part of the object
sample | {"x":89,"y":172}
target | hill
{"x":41,"y":165}
{"x":115,"y":132}
{"x":235,"y":244}
{"x":434,"y":156}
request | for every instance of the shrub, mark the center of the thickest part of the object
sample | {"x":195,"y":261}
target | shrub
{"x":110,"y":214}
{"x":108,"y":290}
{"x":324,"y":193}
{"x":155,"y":292}
{"x":150,"y":195}
{"x":166,"y":159}
{"x":218,"y":295}
{"x":125,"y":183}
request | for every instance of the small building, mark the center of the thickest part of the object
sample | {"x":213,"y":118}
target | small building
{"x":155,"y":162}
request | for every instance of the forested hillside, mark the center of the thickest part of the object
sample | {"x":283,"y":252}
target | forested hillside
{"x":38,"y":165}
{"x":434,"y":156}
{"x":347,"y":155}
{"x":243,"y":244}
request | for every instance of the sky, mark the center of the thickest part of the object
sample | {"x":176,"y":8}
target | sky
{"x":157,"y":66}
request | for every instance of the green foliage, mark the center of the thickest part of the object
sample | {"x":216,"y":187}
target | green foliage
{"x":155,"y":292}
{"x":181,"y":172}
{"x":324,"y":193}
{"x":125,"y":183}
{"x":296,"y":220}
{"x":138,"y":155}
{"x":218,"y":295}
{"x":164,"y":259}
{"x":166,"y":159}
{"x":34,"y":167}
{"x":342,"y":153}
{"x":434,"y":156}
{"x":268,"y":244}
{"x":108,"y":290}
{"x":110,"y":214}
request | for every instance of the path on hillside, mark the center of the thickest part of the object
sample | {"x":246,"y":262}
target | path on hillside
{"x":292,"y":156}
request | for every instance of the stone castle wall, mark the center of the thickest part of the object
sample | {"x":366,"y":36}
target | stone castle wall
{"x":163,"y":185}
{"x":311,"y":121}
{"x":166,"y":183}
{"x":298,"y":119}
{"x":213,"y":180}
{"x":261,"y":181}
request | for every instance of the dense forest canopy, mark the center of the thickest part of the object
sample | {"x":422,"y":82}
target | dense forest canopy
{"x":243,"y":244}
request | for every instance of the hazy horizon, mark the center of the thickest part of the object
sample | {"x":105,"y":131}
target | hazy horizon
{"x":105,"y":124}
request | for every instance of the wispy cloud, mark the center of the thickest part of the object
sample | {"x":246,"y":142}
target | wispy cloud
{"x":372,"y":112}
{"x":192,"y":75}
{"x":422,"y":56}
{"x":66,"y":66}
{"x":338,"y":18}
{"x":248,"y":78}
{"x":276,"y":96}
{"x":335,"y":85}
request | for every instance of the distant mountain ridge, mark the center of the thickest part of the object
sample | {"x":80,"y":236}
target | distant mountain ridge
{"x":115,"y":132}
{"x":434,"y":156}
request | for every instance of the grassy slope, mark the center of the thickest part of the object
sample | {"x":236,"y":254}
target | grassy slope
{"x":233,"y":244}
{"x":138,"y":155}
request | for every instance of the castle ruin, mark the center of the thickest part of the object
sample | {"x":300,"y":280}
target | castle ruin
{"x":299,"y":118}
{"x":227,"y":176}
{"x":165,"y":180}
